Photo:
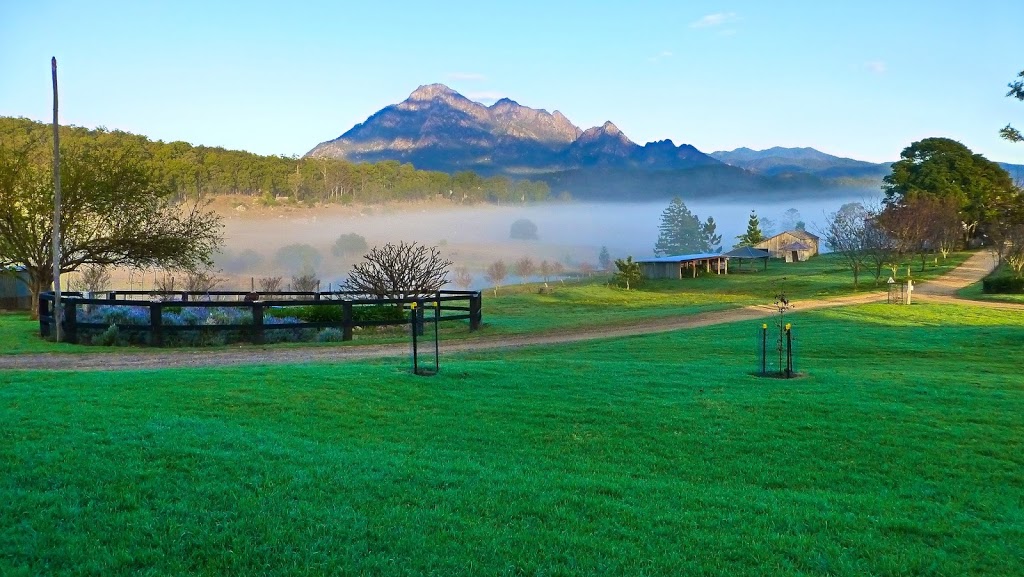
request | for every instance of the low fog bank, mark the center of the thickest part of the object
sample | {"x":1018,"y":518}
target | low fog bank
{"x":476,"y":236}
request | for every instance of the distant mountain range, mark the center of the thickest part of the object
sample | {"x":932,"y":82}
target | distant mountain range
{"x":436,"y":128}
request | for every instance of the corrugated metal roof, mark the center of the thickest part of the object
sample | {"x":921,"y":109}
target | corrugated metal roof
{"x":682,"y":257}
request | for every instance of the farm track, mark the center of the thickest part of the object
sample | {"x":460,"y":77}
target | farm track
{"x":941,"y":290}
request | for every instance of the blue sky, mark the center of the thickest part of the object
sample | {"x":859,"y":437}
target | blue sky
{"x":859,"y":79}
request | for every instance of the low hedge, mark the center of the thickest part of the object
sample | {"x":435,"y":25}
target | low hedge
{"x":335,"y":313}
{"x":1003,"y":285}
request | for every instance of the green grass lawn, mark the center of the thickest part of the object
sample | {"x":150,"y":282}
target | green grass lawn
{"x":901,"y":453}
{"x":521,"y":309}
{"x":576,"y":304}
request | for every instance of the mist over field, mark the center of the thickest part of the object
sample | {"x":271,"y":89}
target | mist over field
{"x":476,"y":236}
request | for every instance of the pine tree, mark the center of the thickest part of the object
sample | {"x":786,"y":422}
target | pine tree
{"x":681,"y":232}
{"x":605,"y":259}
{"x":753,"y":234}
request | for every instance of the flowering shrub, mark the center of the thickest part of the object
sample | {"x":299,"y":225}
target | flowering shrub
{"x":129,"y":325}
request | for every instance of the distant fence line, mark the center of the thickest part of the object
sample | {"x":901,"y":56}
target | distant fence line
{"x":450,"y":306}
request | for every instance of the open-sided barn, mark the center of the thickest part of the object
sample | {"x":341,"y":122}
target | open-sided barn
{"x":683,"y":265}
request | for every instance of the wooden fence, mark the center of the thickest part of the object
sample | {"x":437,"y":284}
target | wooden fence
{"x":450,"y":306}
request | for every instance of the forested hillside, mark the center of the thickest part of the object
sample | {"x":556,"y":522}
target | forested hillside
{"x":196,"y":171}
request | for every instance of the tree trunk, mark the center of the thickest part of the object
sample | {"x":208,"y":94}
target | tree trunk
{"x":40,"y":280}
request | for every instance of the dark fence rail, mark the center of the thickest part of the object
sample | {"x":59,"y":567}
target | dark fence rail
{"x":448,"y":306}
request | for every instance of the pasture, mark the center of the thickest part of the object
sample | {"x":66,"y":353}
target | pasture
{"x":899,"y":454}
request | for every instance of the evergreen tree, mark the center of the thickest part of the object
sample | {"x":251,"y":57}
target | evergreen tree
{"x":681,"y":232}
{"x":605,"y":259}
{"x":753,"y":234}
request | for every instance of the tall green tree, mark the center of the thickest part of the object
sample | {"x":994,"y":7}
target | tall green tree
{"x":945,"y":168}
{"x":1017,"y":91}
{"x":114,"y":211}
{"x":682,"y":232}
{"x":753,"y":234}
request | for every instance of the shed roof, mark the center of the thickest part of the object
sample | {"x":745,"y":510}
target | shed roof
{"x":747,"y":252}
{"x":682,"y":257}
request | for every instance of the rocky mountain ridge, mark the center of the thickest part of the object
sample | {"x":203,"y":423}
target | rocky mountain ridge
{"x":437,"y":128}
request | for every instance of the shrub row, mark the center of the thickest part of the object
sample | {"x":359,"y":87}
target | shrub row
{"x":335,"y":313}
{"x":1003,"y":285}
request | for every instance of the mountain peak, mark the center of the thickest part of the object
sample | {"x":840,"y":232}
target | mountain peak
{"x":610,"y":128}
{"x":431,"y":91}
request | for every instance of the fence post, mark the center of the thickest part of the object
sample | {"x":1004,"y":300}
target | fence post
{"x":112,"y":296}
{"x":476,"y":309}
{"x":258,"y":337}
{"x":346,"y":321}
{"x":418,"y":319}
{"x":156,"y":333}
{"x":71,"y":322}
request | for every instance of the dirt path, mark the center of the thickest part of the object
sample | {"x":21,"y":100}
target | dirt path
{"x":940,"y":290}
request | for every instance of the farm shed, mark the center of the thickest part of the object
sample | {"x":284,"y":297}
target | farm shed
{"x":683,"y":265}
{"x":14,"y":293}
{"x":748,"y":253}
{"x":792,"y":245}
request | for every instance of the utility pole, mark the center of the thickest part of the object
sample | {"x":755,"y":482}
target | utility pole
{"x":56,"y":208}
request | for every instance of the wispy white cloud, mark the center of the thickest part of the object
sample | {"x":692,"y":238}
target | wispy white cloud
{"x":471,"y":76}
{"x":876,"y":66}
{"x":485,"y":96}
{"x":716,"y":19}
{"x":661,"y":56}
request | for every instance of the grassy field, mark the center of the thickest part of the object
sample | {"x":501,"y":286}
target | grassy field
{"x":900,"y":453}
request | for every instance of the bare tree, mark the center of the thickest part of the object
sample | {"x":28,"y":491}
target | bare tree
{"x":93,"y":278}
{"x":546,"y":270}
{"x":270,"y":284}
{"x":463,"y":279}
{"x":306,"y":280}
{"x":587,"y":268}
{"x":400,"y":270}
{"x":496,"y":273}
{"x":844,"y":233}
{"x":201,"y":280}
{"x":524,"y":267}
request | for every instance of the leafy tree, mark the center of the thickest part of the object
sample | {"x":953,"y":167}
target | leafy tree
{"x":681,"y":232}
{"x":399,"y":270}
{"x":790,"y":219}
{"x":629,"y":272}
{"x":524,"y":267}
{"x":753,"y":234}
{"x":523,"y":229}
{"x":944,"y":168}
{"x":349,"y":243}
{"x":604,"y":259}
{"x":1017,"y":91}
{"x":114,"y":210}
{"x":295,"y":257}
{"x":496,"y":273}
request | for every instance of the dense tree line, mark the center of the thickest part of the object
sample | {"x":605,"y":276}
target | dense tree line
{"x":199,"y":171}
